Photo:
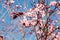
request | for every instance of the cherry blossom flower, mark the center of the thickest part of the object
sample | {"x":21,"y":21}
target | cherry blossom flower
{"x":55,"y":39}
{"x":38,"y":32}
{"x":52,"y":3}
{"x":12,"y":1}
{"x":29,"y":14}
{"x":53,"y":34}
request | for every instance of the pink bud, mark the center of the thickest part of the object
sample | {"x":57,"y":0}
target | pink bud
{"x":23,"y":23}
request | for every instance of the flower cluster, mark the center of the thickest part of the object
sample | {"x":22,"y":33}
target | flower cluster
{"x":34,"y":17}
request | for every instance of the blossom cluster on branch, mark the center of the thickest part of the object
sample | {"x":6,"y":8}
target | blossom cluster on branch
{"x":34,"y":18}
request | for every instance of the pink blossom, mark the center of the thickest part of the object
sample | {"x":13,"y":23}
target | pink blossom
{"x":29,"y":14}
{"x":38,"y":32}
{"x":53,"y":34}
{"x":52,"y":3}
{"x":55,"y":39}
{"x":42,"y":13}
{"x":58,"y":36}
{"x":12,"y":1}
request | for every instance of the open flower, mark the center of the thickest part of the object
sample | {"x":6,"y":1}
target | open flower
{"x":11,"y":1}
{"x":52,"y":3}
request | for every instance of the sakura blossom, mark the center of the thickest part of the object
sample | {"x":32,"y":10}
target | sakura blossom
{"x":52,"y":3}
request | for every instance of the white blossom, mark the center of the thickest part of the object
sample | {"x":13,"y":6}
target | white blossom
{"x":12,"y":1}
